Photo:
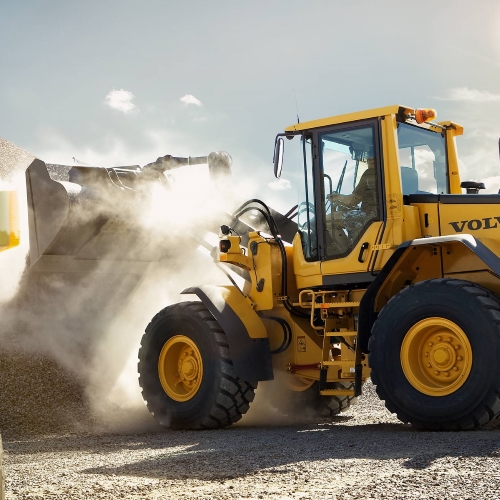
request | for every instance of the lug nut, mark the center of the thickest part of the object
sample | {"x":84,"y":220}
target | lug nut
{"x":449,"y":339}
{"x":440,"y":338}
{"x":457,"y":347}
{"x":459,"y":358}
{"x":428,"y":365}
{"x":447,"y":374}
{"x":431,"y":344}
{"x":436,"y":373}
{"x":455,"y":368}
{"x":426,"y":354}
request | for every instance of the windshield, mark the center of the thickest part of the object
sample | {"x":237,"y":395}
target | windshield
{"x":306,"y":208}
{"x":422,"y":159}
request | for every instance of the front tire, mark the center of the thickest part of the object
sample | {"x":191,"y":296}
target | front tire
{"x":434,"y":355}
{"x":186,"y":373}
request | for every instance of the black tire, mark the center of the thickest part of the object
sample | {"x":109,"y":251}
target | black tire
{"x":222,"y":398}
{"x":323,"y":406}
{"x":308,"y":403}
{"x":476,"y":311}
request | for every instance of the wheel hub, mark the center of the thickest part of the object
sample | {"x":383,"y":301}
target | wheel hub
{"x":436,"y":356}
{"x":180,"y":368}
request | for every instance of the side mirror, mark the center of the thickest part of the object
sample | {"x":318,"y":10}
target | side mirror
{"x":279,"y":148}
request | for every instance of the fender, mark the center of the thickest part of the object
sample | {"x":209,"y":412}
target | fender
{"x":245,"y":331}
{"x":367,"y":313}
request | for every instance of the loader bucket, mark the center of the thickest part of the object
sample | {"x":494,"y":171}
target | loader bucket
{"x":85,"y":219}
{"x":82,"y":216}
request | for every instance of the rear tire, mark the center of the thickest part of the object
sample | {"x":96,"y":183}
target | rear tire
{"x":434,"y":354}
{"x":186,"y":373}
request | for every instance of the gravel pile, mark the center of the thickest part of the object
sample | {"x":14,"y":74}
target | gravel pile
{"x":364,"y":453}
{"x":38,"y":396}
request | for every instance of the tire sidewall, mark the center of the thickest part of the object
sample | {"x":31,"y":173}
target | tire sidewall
{"x":446,"y":300}
{"x":169,"y":412}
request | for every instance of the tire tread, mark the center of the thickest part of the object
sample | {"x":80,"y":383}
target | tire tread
{"x":490,"y":407}
{"x":228,"y":407}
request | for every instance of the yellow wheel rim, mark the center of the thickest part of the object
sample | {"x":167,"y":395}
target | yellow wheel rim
{"x":436,"y":356}
{"x":180,"y":368}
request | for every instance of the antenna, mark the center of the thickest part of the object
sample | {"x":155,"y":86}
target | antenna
{"x":296,"y":105}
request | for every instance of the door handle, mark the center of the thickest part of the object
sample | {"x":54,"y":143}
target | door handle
{"x":364,"y":246}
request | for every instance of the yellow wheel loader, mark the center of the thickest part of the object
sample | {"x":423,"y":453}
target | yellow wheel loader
{"x":385,"y":268}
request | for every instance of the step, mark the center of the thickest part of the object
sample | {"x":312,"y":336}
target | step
{"x":338,"y":363}
{"x":337,"y":392}
{"x":339,"y":305}
{"x":341,"y":334}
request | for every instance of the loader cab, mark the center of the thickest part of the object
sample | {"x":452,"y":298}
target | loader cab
{"x":359,"y":171}
{"x":341,"y":204}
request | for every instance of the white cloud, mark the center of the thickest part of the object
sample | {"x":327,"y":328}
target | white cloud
{"x":470,"y":95}
{"x":121,"y":100}
{"x":190,"y":99}
{"x":280,"y":184}
{"x":492,"y":184}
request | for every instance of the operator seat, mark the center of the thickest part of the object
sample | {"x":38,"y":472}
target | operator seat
{"x":409,"y":180}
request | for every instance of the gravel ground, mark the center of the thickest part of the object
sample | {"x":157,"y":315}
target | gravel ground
{"x":364,"y":453}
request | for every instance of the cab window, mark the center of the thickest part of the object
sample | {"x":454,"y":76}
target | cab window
{"x":349,"y":183}
{"x":422,"y":160}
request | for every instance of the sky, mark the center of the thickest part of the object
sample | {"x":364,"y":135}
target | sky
{"x":121,"y":82}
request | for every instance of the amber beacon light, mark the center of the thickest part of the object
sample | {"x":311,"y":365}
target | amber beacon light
{"x":423,"y":115}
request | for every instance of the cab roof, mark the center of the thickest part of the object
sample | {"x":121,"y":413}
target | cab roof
{"x":364,"y":115}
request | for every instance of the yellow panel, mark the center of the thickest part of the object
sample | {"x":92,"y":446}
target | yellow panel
{"x":418,"y":263}
{"x":243,"y":309}
{"x":455,"y":128}
{"x":394,"y":198}
{"x":350,"y":263}
{"x":453,"y":170}
{"x":307,"y":274}
{"x":457,"y":258}
{"x":481,"y":221}
{"x":350,"y":117}
{"x":432,"y":219}
{"x":412,"y":223}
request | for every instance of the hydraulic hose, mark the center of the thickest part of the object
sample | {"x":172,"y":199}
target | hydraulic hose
{"x":266,"y":213}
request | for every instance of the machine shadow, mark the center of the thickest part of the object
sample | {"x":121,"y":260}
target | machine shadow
{"x":247,"y":450}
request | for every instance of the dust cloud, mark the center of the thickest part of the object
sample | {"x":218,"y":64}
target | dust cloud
{"x":69,"y":341}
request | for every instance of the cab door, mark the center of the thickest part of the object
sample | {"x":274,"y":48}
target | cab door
{"x":348,"y":190}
